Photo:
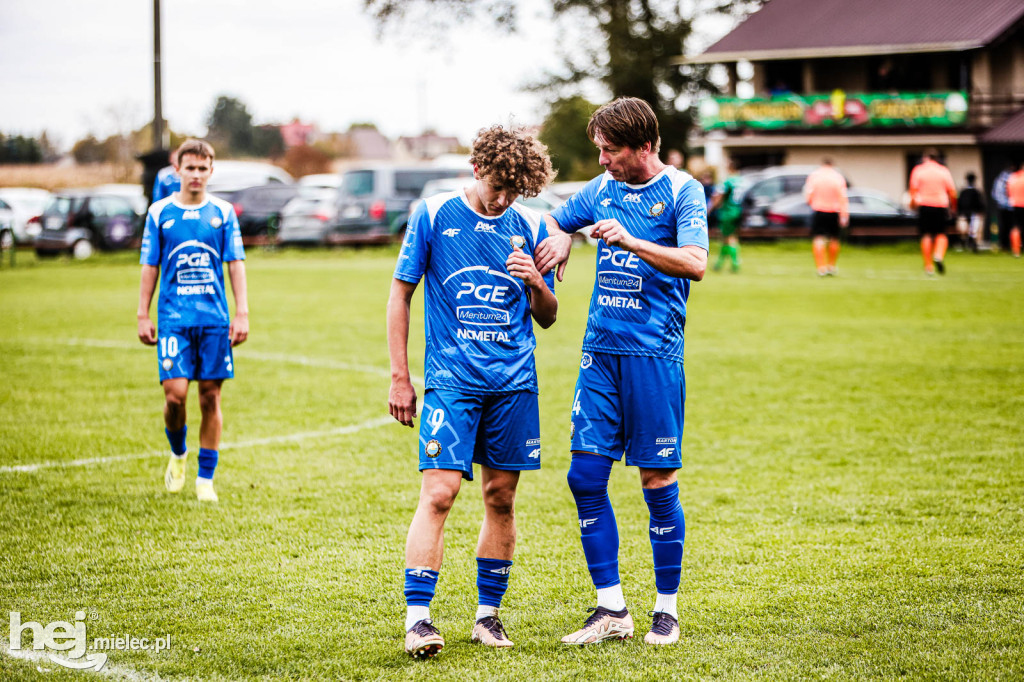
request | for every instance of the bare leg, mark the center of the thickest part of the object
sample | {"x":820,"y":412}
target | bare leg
{"x":213,"y":420}
{"x":498,"y":532}
{"x":424,"y":546}
{"x":175,"y":395}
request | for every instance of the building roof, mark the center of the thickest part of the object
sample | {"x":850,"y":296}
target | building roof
{"x":795,"y":29}
{"x":1010,"y":131}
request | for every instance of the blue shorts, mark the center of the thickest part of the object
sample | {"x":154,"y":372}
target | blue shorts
{"x":631,"y":404}
{"x":195,"y":353}
{"x":500,"y":431}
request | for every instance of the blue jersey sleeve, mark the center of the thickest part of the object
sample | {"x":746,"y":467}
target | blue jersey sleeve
{"x":233,"y":247}
{"x":542,"y":234}
{"x":692,"y":216}
{"x":578,"y":211}
{"x":150,"y":242}
{"x":415,"y":254}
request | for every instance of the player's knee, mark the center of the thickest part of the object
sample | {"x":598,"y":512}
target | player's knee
{"x":175,"y":400}
{"x":500,"y":500}
{"x":438,"y":500}
{"x":583,"y":482}
{"x":209,"y":403}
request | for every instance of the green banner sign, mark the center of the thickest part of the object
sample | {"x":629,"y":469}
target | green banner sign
{"x":836,"y":110}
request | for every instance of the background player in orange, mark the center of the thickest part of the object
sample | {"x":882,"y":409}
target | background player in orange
{"x":933,"y":194}
{"x":1015,"y":191}
{"x":825,"y":191}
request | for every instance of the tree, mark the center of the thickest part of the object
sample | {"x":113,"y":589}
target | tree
{"x":230,"y":127}
{"x":565,"y":133}
{"x":631,"y":57}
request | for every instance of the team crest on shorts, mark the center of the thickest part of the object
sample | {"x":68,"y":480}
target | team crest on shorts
{"x":572,"y":430}
{"x":587,"y":361}
{"x":517,"y":241}
{"x":167,"y":364}
{"x":658,"y":208}
{"x":433,"y":448}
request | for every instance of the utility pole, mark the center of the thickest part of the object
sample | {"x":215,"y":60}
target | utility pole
{"x":158,"y":113}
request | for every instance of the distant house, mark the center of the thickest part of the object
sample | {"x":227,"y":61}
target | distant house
{"x":872,"y":84}
{"x":369,"y":143}
{"x":296,"y":133}
{"x":429,"y":145}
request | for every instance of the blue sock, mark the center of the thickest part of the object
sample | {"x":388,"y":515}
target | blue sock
{"x":207,"y":462}
{"x":419,"y":586}
{"x":588,"y":481}
{"x":177,"y":439}
{"x":492,"y":580}
{"x":668,"y":530}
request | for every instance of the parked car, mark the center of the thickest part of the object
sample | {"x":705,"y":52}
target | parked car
{"x":27,"y":203}
{"x":320,"y":180}
{"x":873,"y":215}
{"x":230,"y":176}
{"x":758,"y":190}
{"x":308,"y":218}
{"x":6,"y":226}
{"x":259,"y":208}
{"x":80,"y":221}
{"x":374,"y":202}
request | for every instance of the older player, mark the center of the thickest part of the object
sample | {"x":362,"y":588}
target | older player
{"x":189,"y":236}
{"x":652,"y":223}
{"x":474,"y":249}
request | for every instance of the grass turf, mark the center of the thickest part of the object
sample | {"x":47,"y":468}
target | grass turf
{"x":853,"y":481}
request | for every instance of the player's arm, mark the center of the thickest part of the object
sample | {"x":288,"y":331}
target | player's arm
{"x":402,"y":395}
{"x":554,"y":250}
{"x":238,"y":332}
{"x":147,"y":285}
{"x":543,"y":304}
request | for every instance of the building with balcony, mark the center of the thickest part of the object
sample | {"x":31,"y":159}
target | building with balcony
{"x":871,"y":84}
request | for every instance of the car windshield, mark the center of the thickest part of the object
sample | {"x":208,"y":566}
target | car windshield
{"x":410,"y":182}
{"x":358,"y":183}
{"x":61,"y":206}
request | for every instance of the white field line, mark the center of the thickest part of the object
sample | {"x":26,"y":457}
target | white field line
{"x":45,"y":665}
{"x":254,"y":442}
{"x":268,"y":357}
{"x":286,"y":358}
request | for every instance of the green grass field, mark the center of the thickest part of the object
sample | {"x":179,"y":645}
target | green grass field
{"x":853,"y":482}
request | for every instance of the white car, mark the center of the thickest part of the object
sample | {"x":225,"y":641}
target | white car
{"x":26,"y":203}
{"x":229,"y":176}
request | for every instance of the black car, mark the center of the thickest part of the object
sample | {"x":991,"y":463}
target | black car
{"x":873,"y":215}
{"x":259,"y":208}
{"x":80,"y":221}
{"x":374,"y":201}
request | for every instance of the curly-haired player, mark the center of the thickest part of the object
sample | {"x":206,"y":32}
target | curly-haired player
{"x":474,"y":248}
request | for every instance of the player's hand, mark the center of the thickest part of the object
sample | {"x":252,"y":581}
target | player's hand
{"x":402,"y":401}
{"x":844,"y":220}
{"x":238,"y":332}
{"x":552,"y":252}
{"x":147,"y":331}
{"x":521,"y":266}
{"x":614,"y":234}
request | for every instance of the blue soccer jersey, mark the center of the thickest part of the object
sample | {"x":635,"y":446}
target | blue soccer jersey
{"x":190,"y":245}
{"x":167,"y":183}
{"x":479,"y":332}
{"x":636,"y":309}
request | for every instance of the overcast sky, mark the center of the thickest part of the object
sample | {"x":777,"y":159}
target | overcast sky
{"x":73,"y":67}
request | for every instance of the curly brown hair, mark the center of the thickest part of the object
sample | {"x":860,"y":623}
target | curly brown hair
{"x":512,"y":160}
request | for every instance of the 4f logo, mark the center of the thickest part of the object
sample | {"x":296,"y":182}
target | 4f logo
{"x":584,"y":523}
{"x":662,"y":530}
{"x":421,"y":573}
{"x":665,"y":452}
{"x":503,"y":570}
{"x":606,"y":203}
{"x":451,"y":232}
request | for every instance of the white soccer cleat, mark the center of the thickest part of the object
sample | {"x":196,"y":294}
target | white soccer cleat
{"x":423,"y":640}
{"x":490,"y":632}
{"x":205,"y":491}
{"x":174,"y":476}
{"x":664,"y":629}
{"x":601,"y":625}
